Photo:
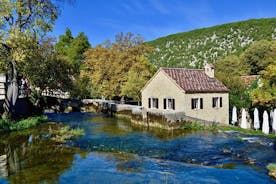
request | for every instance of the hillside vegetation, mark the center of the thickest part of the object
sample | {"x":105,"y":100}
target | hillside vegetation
{"x":193,"y":48}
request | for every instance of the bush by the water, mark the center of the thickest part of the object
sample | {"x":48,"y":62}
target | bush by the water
{"x":8,"y":125}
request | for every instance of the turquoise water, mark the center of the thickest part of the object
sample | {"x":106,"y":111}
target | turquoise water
{"x":113,"y":151}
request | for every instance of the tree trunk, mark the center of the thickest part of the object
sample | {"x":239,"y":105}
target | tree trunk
{"x":11,"y":91}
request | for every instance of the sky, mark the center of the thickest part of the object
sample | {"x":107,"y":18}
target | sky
{"x":103,"y":19}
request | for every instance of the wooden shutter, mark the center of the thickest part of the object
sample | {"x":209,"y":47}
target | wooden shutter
{"x":192,"y":103}
{"x":220,"y":101}
{"x":214,"y":103}
{"x":201,"y":103}
{"x":157,"y":104}
{"x":149,"y":102}
{"x":173,"y":104}
{"x":165,"y":103}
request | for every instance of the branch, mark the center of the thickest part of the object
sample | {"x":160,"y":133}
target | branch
{"x":9,"y":20}
{"x":6,"y":46}
{"x":24,"y":22}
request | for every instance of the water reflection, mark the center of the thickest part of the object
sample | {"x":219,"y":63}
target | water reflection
{"x":113,"y":151}
{"x":35,"y":161}
{"x":113,"y":126}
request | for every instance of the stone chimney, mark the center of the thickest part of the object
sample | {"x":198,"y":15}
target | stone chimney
{"x":210,"y":70}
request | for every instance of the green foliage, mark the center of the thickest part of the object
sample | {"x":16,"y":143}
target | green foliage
{"x":72,"y":49}
{"x":187,"y":125}
{"x":138,"y":76}
{"x":246,"y":131}
{"x":46,"y":69}
{"x":258,"y":58}
{"x":228,"y":71}
{"x":191,"y":49}
{"x":8,"y":125}
{"x":259,"y":55}
{"x":265,"y":94}
{"x":112,"y":68}
{"x":38,"y":100}
{"x":23,"y":24}
{"x":65,"y":133}
{"x":272,"y":169}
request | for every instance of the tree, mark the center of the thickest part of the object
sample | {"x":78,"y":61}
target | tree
{"x":109,"y":67}
{"x":72,"y":49}
{"x":46,"y":69}
{"x":258,"y":55}
{"x":138,"y":76}
{"x":265,"y":94}
{"x":23,"y":24}
{"x":228,"y":71}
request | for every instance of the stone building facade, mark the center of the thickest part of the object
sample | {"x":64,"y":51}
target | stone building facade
{"x":195,"y":93}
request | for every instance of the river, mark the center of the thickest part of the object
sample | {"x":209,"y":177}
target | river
{"x":114,"y":151}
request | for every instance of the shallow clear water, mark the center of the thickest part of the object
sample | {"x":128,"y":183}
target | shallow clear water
{"x":113,"y":151}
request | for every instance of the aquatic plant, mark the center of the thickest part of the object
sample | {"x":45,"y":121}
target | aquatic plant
{"x":65,"y":133}
{"x":272,"y":169}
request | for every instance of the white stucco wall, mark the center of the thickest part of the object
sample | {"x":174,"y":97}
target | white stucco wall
{"x":161,"y":86}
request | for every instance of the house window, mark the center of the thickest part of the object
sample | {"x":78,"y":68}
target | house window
{"x":197,"y":103}
{"x":169,"y":103}
{"x":155,"y":103}
{"x":217,"y":102}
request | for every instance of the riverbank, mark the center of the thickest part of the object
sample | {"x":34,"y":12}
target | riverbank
{"x":59,"y":135}
{"x":9,"y":125}
{"x":187,"y":125}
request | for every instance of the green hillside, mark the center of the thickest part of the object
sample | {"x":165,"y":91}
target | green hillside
{"x":193,"y":48}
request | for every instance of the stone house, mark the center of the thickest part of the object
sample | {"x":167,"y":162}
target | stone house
{"x":196,"y":93}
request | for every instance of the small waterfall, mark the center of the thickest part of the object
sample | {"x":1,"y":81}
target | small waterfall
{"x":274,"y":121}
{"x":256,"y":119}
{"x":234,"y":116}
{"x":243,"y":119}
{"x":265,"y":127}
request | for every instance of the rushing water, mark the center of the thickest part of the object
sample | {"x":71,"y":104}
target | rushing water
{"x":113,"y":151}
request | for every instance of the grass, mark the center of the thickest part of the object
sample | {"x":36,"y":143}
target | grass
{"x":187,"y":125}
{"x":272,"y":169}
{"x":246,"y":131}
{"x":65,"y":133}
{"x":214,"y":127}
{"x":8,"y":125}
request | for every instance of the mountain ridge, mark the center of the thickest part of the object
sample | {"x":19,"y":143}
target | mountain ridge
{"x":192,"y":49}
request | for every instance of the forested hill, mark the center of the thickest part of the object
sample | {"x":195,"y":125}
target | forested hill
{"x":193,"y":48}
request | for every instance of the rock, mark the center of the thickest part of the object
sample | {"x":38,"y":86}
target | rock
{"x":68,"y":109}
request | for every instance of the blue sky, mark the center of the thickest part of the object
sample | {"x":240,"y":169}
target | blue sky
{"x":102,"y":19}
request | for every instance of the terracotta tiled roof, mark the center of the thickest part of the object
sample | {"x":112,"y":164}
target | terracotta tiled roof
{"x":194,"y":80}
{"x":248,"y":79}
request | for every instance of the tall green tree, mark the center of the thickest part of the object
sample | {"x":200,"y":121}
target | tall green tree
{"x":23,"y":24}
{"x":229,"y":70}
{"x":258,"y":55}
{"x":73,"y":48}
{"x":265,"y":94}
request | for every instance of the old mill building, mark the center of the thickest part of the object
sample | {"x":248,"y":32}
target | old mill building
{"x":193,"y":92}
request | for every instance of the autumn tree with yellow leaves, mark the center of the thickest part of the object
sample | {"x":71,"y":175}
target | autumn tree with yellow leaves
{"x":120,"y":68}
